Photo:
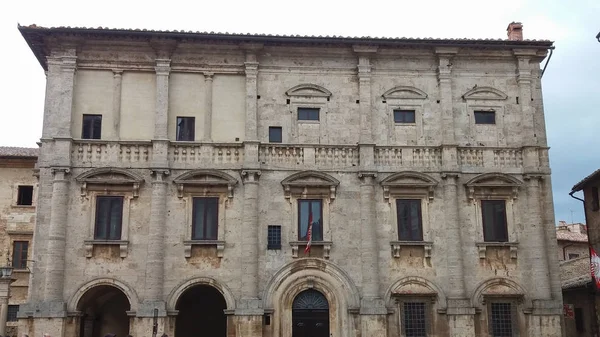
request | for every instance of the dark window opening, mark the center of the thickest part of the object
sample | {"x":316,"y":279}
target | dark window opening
{"x":404,"y":116}
{"x":25,"y":196}
{"x":573,"y":256}
{"x":275,"y":134}
{"x":19,"y":256}
{"x":109,"y":218}
{"x":485,"y":117}
{"x":205,"y":219}
{"x":310,"y":215}
{"x":308,"y":114}
{"x":92,"y":127}
{"x":494,"y":220}
{"x":414,"y":318}
{"x":274,"y":237}
{"x":579,"y":324}
{"x":12,"y":313}
{"x":186,"y":129}
{"x":409,"y":220}
{"x":501,"y":319}
{"x":595,"y":199}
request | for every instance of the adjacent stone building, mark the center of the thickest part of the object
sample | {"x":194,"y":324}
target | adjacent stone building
{"x":18,"y":188}
{"x":181,"y":174}
{"x":572,"y":241}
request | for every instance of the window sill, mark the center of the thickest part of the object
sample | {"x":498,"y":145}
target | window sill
{"x":21,"y":271}
{"x":187,"y":246}
{"x":308,"y":121}
{"x":23,"y":206}
{"x":482,"y":248}
{"x":397,"y":245}
{"x":325,"y":244}
{"x":89,"y":246}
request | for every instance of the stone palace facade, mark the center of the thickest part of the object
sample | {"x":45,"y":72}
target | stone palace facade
{"x":179,"y":174}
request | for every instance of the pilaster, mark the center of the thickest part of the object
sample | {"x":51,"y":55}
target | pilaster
{"x":208,"y":99}
{"x":59,"y":93}
{"x":524,"y":79}
{"x":4,"y":297}
{"x":454,"y":256}
{"x":251,"y":71}
{"x":160,"y":142}
{"x":368,"y":117}
{"x":116,"y":106}
{"x":369,"y":249}
{"x":444,"y":77}
{"x":250,"y":304}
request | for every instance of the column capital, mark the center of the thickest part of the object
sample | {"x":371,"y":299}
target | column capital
{"x":250,"y":176}
{"x":533,"y":177}
{"x":367,"y":176}
{"x":450,"y":175}
{"x":117,"y":72}
{"x":163,"y":67}
{"x":208,"y":75}
{"x":159,"y":174}
{"x":60,"y":172}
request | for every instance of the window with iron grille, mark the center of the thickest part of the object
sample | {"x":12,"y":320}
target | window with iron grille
{"x":19,"y":257}
{"x":404,"y":116}
{"x":12,"y":313}
{"x":91,"y":127}
{"x":501,"y":319}
{"x":308,"y":114}
{"x":274,"y":237}
{"x":186,"y":129}
{"x":25,"y":195}
{"x":494,"y":220}
{"x":310,"y":213}
{"x":409,"y":220}
{"x":205,"y":219}
{"x":485,"y":117}
{"x":109,"y":217}
{"x":414,"y":319}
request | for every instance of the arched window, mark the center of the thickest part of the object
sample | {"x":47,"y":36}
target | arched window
{"x":310,"y":300}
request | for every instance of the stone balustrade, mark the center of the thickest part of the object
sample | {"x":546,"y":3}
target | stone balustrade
{"x":98,"y":153}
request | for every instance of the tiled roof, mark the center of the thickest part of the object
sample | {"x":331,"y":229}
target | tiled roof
{"x":575,"y":272}
{"x":33,"y":35}
{"x":576,"y":282}
{"x":18,"y":152}
{"x":566,"y":235}
{"x":580,"y":185}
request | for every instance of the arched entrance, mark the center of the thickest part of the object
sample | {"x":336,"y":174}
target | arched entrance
{"x":201,"y":313}
{"x":310,"y":315}
{"x":104,"y":310}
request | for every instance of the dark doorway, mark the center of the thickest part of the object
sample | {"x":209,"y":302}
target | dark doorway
{"x":104,"y":310}
{"x":201,"y":313}
{"x":310,"y":315}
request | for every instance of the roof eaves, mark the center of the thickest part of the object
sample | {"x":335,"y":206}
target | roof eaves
{"x":581,"y":185}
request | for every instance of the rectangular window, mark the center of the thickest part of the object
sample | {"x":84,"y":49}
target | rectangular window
{"x":409,"y":220}
{"x":186,"y":129}
{"x":573,"y":256}
{"x":308,"y":114}
{"x":205,"y":218}
{"x":404,"y":116}
{"x":501,"y":320}
{"x":275,"y":134}
{"x":485,"y":117}
{"x":12,"y":313}
{"x":109,"y":217}
{"x":92,"y":127}
{"x":414,"y":319}
{"x":19,"y":256}
{"x":274,"y":237}
{"x":310,"y":211}
{"x":595,"y":201}
{"x":25,"y":195}
{"x":579,"y":325}
{"x":494,"y":220}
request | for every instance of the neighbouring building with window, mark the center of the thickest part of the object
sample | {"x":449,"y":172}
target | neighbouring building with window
{"x":18,"y":190}
{"x":258,"y":185}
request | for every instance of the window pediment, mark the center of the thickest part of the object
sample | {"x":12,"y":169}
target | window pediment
{"x":308,"y":90}
{"x":493,"y":184}
{"x":205,"y":180}
{"x":103,"y":177}
{"x":498,"y":287}
{"x":404,"y":92}
{"x":484,"y":93}
{"x":310,"y":183}
{"x":408,"y":183}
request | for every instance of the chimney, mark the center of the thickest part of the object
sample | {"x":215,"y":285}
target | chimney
{"x":515,"y":31}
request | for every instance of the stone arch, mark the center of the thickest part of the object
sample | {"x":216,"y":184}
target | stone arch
{"x":404,"y":92}
{"x":425,"y":178}
{"x":308,"y":90}
{"x":206,"y":178}
{"x":311,"y":273}
{"x":185,"y":285}
{"x":409,"y":180}
{"x":484,"y":93}
{"x":326,"y":178}
{"x":92,"y":174}
{"x":498,"y":286}
{"x":496,"y":177}
{"x":416,"y":285}
{"x":127,"y":290}
{"x":310,"y":180}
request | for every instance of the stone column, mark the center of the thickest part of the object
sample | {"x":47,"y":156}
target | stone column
{"x":116,"y":106}
{"x":161,"y":117}
{"x":59,"y":95}
{"x":4,"y":296}
{"x":250,"y":232}
{"x":208,"y":99}
{"x":523,"y":58}
{"x":55,"y":267}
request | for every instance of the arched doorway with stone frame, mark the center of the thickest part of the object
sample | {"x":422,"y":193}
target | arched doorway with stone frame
{"x":310,"y":314}
{"x":103,"y":310}
{"x":308,"y":275}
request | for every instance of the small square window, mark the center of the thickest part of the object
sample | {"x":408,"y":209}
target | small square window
{"x":205,"y":218}
{"x":573,"y":256}
{"x":109,"y":218}
{"x":501,"y":319}
{"x":485,"y":117}
{"x":274,"y":237}
{"x":494,"y":221}
{"x":308,"y":114}
{"x":25,"y":195}
{"x":19,"y":256}
{"x":186,"y":129}
{"x":12,"y":313}
{"x":275,"y":134}
{"x":92,"y":127}
{"x":404,"y":116}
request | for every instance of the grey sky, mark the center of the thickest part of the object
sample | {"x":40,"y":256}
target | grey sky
{"x":571,"y":83}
